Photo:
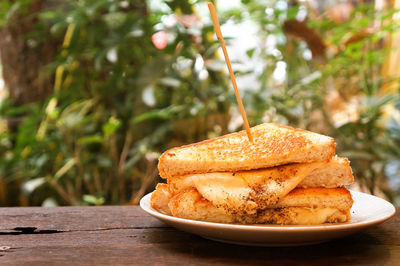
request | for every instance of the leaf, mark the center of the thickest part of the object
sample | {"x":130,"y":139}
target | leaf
{"x":215,"y":65}
{"x":103,"y":161}
{"x":160,"y":114}
{"x":51,"y":107}
{"x":4,"y":5}
{"x":73,"y":116}
{"x":111,"y":126}
{"x":48,"y":15}
{"x":250,"y":52}
{"x":41,"y":160}
{"x":66,"y":167}
{"x":91,"y":139}
{"x":16,"y":110}
{"x":16,"y":6}
{"x":292,"y":12}
{"x":153,"y":71}
{"x":171,"y":82}
{"x":311,"y":78}
{"x":115,"y":19}
{"x":90,"y":199}
{"x":31,"y":185}
{"x":49,"y":202}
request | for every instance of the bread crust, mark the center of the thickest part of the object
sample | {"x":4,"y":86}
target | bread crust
{"x":160,"y":198}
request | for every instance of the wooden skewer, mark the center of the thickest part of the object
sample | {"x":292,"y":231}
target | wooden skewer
{"x":228,"y":63}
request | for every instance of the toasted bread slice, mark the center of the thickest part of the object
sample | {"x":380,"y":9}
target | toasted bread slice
{"x":336,"y":173}
{"x":316,"y":197}
{"x":273,"y":145}
{"x":189,"y":204}
{"x":160,"y":198}
{"x":300,"y":206}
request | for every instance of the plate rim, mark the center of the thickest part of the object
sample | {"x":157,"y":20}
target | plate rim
{"x":145,"y":200}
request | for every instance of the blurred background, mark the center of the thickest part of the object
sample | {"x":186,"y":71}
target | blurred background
{"x":93,"y":91}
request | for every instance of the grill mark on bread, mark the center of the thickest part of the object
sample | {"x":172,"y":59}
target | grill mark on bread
{"x":278,"y":145}
{"x":273,"y":145}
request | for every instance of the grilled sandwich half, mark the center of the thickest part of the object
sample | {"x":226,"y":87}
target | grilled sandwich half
{"x":287,"y":176}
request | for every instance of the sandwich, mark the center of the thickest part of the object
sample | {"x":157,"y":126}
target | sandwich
{"x":285,"y":176}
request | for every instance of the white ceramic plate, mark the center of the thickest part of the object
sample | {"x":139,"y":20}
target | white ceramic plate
{"x":367,"y":211}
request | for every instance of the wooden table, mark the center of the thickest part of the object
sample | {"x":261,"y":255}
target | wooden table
{"x":127,"y":235}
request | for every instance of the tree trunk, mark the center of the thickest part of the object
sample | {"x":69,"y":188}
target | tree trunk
{"x":24,"y":54}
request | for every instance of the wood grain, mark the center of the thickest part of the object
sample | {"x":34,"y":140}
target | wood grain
{"x":121,"y":235}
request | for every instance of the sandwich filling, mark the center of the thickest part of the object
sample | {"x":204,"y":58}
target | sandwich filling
{"x":248,"y":192}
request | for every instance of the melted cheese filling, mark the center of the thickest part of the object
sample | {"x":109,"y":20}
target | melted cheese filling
{"x":247,"y":192}
{"x":226,"y":191}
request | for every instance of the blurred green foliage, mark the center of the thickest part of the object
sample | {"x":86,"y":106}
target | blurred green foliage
{"x":96,"y":139}
{"x":120,"y":101}
{"x":349,"y":74}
